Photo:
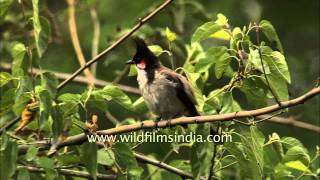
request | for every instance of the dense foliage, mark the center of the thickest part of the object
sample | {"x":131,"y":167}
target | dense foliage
{"x":247,"y":62}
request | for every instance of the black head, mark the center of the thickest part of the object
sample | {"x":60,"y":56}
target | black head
{"x":144,"y":58}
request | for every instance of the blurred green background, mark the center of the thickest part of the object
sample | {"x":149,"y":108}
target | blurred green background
{"x":297,"y":24}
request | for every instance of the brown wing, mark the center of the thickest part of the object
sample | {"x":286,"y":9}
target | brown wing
{"x":184,"y":90}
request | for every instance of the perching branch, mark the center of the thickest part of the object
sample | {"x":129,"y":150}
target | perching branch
{"x":115,"y":44}
{"x":81,"y":138}
{"x":68,"y":172}
{"x":75,"y":41}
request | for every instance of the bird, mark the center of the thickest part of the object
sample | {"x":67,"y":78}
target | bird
{"x":166,"y":93}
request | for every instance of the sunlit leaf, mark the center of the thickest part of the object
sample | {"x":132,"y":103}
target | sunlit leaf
{"x":171,"y":36}
{"x":271,"y":34}
{"x":204,"y":31}
{"x":298,"y":166}
{"x":5,"y":78}
{"x":19,"y":64}
{"x":222,"y":34}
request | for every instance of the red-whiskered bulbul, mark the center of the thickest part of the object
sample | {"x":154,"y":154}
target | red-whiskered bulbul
{"x":166,"y":93}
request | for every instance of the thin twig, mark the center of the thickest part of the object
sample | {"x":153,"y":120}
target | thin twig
{"x":115,"y":44}
{"x":163,"y":165}
{"x":75,"y":41}
{"x":68,"y":172}
{"x":162,"y":161}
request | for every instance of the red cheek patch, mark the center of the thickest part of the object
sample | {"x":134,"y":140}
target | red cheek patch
{"x":141,"y":64}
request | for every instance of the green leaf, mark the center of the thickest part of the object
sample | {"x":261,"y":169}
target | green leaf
{"x":5,"y":78}
{"x":126,"y":160}
{"x":117,"y":95}
{"x":23,"y":174}
{"x":49,"y":82}
{"x":132,"y":71}
{"x":58,"y":121}
{"x":249,"y":152}
{"x":201,"y":154}
{"x":139,"y":105}
{"x":270,"y":33}
{"x":4,"y":7}
{"x":45,"y":162}
{"x":204,"y":31}
{"x":222,"y":20}
{"x":211,"y":56}
{"x":255,"y":61}
{"x":8,"y":158}
{"x":256,"y":91}
{"x":289,"y":142}
{"x":171,"y":36}
{"x":20,"y":103}
{"x":19,"y":64}
{"x":45,"y":105}
{"x":89,"y":158}
{"x":32,"y":153}
{"x":41,"y":27}
{"x":69,"y":97}
{"x":222,"y":62}
{"x":277,"y":81}
{"x":280,"y":65}
{"x":298,"y":165}
{"x":7,"y":101}
{"x":106,"y":157}
{"x":157,"y":50}
{"x":229,"y":104}
{"x":297,"y":153}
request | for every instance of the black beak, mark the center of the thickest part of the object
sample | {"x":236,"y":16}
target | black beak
{"x":130,"y":61}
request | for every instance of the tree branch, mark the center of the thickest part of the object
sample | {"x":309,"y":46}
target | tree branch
{"x":115,"y":44}
{"x":75,"y":41}
{"x":68,"y":172}
{"x":95,"y":38}
{"x":292,"y":122}
{"x":80,"y":138}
